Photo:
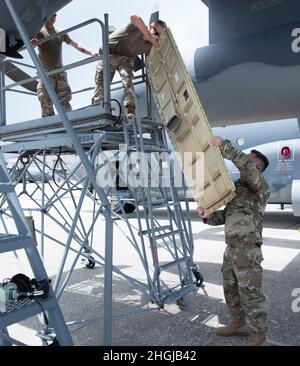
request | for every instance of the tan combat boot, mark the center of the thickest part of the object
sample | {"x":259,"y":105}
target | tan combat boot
{"x":131,"y":111}
{"x":237,"y":328}
{"x":256,"y":339}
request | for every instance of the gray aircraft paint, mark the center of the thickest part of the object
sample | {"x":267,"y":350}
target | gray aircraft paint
{"x":232,"y":19}
{"x":281,"y":172}
{"x":250,"y":71}
{"x":260,"y":133}
{"x":271,"y":47}
{"x":33,"y":15}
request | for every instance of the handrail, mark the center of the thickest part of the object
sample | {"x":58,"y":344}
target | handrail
{"x":56,"y":71}
{"x":21,"y":92}
{"x":68,"y":30}
{"x":18,"y":63}
{"x":118,"y":83}
{"x":141,"y":78}
{"x":4,"y":88}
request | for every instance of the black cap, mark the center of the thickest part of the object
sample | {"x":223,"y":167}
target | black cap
{"x":262,"y":157}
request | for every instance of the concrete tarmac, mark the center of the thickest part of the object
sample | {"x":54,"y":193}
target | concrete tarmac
{"x":191,"y":325}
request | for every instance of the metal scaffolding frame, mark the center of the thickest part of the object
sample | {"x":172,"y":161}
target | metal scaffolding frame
{"x":16,"y":238}
{"x":88,"y":134}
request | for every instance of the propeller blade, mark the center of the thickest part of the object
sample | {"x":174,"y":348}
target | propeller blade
{"x":16,"y":74}
{"x":154,"y":15}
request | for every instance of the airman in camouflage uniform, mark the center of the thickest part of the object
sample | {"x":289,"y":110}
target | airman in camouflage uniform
{"x":125,"y":44}
{"x":50,"y":54}
{"x":242,"y":271}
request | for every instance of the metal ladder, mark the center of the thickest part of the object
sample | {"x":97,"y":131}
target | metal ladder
{"x":23,"y":239}
{"x":176,"y":236}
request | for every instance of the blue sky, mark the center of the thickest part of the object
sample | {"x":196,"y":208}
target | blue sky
{"x":188,"y":21}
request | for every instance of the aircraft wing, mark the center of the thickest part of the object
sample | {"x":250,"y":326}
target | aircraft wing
{"x":248,"y":72}
{"x":243,"y":31}
{"x":232,"y":19}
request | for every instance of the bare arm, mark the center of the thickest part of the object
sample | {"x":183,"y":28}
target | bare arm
{"x":138,"y":22}
{"x":82,"y":49}
{"x":35,"y":40}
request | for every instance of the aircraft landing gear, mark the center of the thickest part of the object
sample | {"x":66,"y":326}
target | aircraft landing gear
{"x":198,"y":275}
{"x":89,"y":262}
{"x":127,"y":206}
{"x":182,"y":303}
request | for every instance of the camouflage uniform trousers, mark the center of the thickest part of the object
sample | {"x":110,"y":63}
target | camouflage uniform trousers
{"x":63,"y":91}
{"x":242,"y":283}
{"x":124,"y":65}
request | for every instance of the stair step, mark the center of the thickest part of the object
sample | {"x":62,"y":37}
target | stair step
{"x":26,"y":308}
{"x":157,"y":229}
{"x":165,"y":235}
{"x":164,"y":204}
{"x":159,"y":236}
{"x":147,"y":124}
{"x":173,"y":297}
{"x":149,"y":149}
{"x":10,"y":243}
{"x":169,"y":265}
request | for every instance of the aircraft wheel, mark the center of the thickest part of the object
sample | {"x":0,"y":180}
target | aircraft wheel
{"x":198,"y":275}
{"x":91,"y":263}
{"x":181,"y":303}
{"x":127,"y":206}
{"x":54,"y":343}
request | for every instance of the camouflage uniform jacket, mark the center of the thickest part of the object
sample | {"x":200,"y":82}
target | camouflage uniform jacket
{"x":243,"y":215}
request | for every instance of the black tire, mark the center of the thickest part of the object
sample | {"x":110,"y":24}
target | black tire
{"x":127,"y":206}
{"x":54,"y":343}
{"x":198,"y":276}
{"x":91,"y":263}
